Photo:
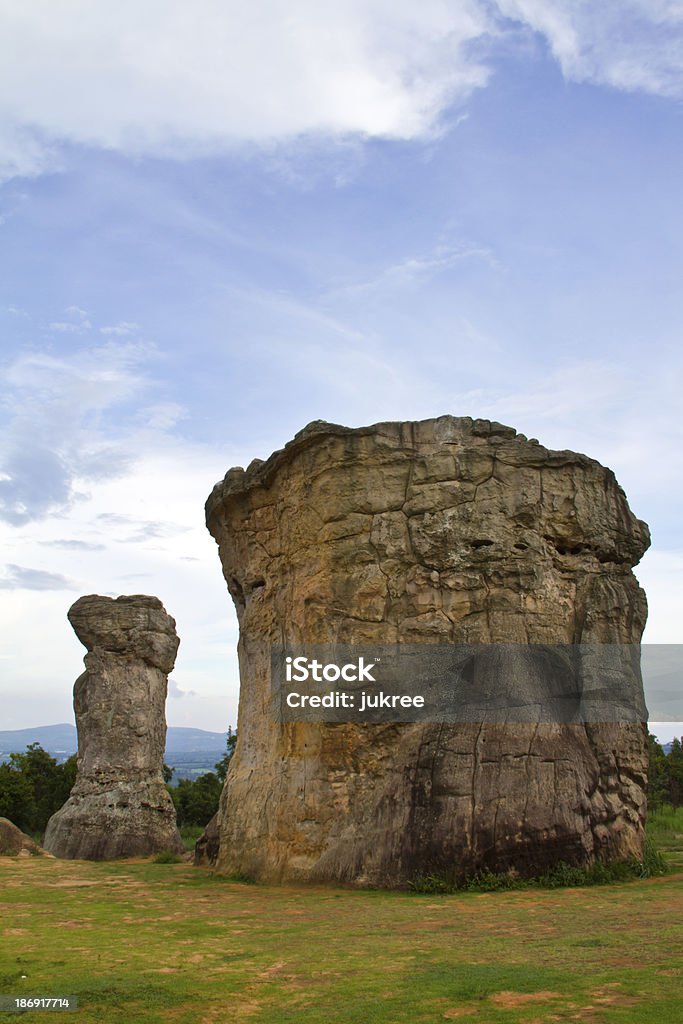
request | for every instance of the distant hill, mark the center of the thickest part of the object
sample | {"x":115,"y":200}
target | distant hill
{"x":62,"y":740}
{"x":56,"y":739}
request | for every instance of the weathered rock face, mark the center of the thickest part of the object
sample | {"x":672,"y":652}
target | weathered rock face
{"x":119,"y":805}
{"x":447,"y":530}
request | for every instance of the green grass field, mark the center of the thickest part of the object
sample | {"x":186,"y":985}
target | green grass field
{"x":145,"y":942}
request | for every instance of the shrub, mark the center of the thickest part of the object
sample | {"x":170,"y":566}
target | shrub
{"x":167,"y":857}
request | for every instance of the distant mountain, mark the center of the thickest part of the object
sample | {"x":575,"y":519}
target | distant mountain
{"x":179,"y":740}
{"x":56,"y":739}
{"x":63,"y":740}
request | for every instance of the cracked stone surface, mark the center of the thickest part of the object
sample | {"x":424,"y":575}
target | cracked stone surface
{"x":119,"y":805}
{"x":445,"y":530}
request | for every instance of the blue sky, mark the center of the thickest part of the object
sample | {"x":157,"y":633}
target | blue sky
{"x":221,"y":223}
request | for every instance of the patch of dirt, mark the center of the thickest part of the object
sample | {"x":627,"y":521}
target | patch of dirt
{"x":236,"y":1011}
{"x":274,"y":969}
{"x":508,"y":1000}
{"x":458,"y":1011}
{"x":71,"y":883}
{"x":604,"y":997}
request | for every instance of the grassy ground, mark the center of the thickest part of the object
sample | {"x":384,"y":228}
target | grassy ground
{"x":144,"y":942}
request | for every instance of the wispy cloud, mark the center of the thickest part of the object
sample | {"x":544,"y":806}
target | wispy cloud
{"x":72,"y":545}
{"x":416,"y":269}
{"x":121,"y":330}
{"x":142,"y":529}
{"x":63,"y":424}
{"x":77,"y":323}
{"x":163,"y":416}
{"x":19,"y":577}
{"x":635,"y":45}
{"x":65,"y":327}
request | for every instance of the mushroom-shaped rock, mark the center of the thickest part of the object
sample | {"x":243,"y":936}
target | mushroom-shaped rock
{"x":119,"y":805}
{"x":446,"y":531}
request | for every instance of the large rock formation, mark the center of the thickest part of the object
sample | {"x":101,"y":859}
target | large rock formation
{"x":447,"y":530}
{"x":119,"y":805}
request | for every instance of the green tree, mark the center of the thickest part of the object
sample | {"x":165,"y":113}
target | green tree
{"x":675,"y":767}
{"x":33,"y":785}
{"x":196,"y":800}
{"x":221,"y":767}
{"x":16,"y":798}
{"x":658,"y":774}
{"x":69,"y":769}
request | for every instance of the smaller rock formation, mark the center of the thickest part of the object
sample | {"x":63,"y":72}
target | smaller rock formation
{"x":119,"y":805}
{"x":15,"y":843}
{"x":207,"y":846}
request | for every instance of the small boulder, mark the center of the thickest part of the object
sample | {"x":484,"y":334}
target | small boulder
{"x":15,"y":843}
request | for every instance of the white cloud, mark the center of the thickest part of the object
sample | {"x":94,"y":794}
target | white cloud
{"x":121,"y":330}
{"x":158,"y":499}
{"x":175,"y":691}
{"x":24,"y":151}
{"x":628,"y":44}
{"x":99,"y":500}
{"x":179,"y":79}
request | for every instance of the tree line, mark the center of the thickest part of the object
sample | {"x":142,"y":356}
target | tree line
{"x":196,"y":800}
{"x":665,"y":776}
{"x":33,"y":785}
